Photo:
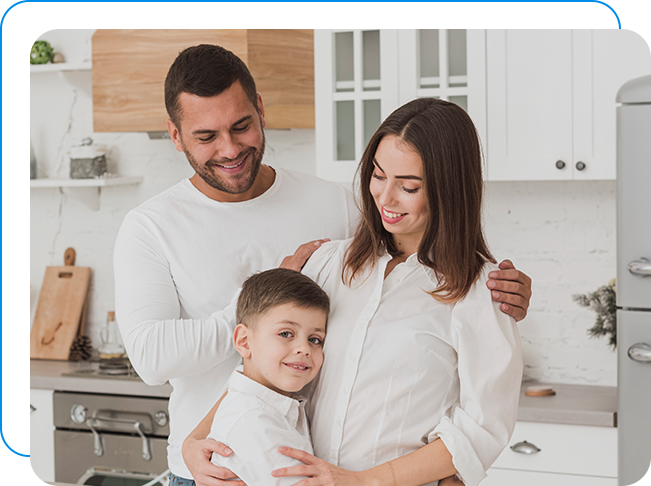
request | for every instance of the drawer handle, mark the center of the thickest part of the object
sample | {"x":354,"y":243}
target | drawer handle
{"x":524,"y":447}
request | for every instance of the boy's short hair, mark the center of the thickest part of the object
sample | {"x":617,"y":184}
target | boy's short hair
{"x":263,"y":291}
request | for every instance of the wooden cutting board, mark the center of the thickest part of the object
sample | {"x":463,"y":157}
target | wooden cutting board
{"x":60,"y":310}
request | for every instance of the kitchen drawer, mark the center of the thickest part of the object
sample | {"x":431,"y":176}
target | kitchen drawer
{"x":564,"y":449}
{"x":506,"y":477}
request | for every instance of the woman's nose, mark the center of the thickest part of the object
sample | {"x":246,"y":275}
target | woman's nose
{"x":386,"y":196}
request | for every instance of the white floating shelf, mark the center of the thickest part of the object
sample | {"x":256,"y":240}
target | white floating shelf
{"x":58,"y":67}
{"x":109,"y":181}
{"x":85,"y":190}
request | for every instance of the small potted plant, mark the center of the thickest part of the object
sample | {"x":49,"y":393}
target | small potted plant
{"x":603,"y":302}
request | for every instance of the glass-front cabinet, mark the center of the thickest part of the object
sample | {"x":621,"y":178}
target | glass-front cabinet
{"x":361,"y":76}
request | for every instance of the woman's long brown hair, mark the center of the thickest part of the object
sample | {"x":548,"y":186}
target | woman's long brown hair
{"x":453,"y":244}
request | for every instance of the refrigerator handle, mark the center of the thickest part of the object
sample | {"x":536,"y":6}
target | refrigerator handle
{"x":640,"y":267}
{"x":640,"y":352}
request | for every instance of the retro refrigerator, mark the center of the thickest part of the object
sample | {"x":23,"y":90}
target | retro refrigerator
{"x":634,"y":278}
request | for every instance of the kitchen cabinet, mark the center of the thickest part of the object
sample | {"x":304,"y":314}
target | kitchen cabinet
{"x":361,"y":76}
{"x":41,"y":433}
{"x":567,"y":455}
{"x":551,"y":101}
{"x":130,"y":66}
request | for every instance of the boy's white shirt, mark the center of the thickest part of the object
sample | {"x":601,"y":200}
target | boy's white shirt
{"x":254,"y":421}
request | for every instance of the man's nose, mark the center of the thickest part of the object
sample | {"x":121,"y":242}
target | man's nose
{"x":228,"y":147}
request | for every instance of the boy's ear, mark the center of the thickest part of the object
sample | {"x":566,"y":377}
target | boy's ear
{"x":241,"y":340}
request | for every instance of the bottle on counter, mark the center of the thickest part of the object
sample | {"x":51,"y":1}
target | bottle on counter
{"x":111,"y":346}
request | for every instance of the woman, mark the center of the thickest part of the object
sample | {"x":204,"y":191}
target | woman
{"x":416,"y":350}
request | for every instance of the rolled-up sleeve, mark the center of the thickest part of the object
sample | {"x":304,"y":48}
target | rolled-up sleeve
{"x":479,"y":426}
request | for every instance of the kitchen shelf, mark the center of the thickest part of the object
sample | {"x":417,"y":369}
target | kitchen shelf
{"x":85,"y":190}
{"x":59,"y":67}
{"x":109,"y":181}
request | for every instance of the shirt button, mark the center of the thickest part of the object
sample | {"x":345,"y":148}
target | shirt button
{"x":352,"y":358}
{"x":338,"y":422}
{"x":345,"y":391}
{"x":373,"y":301}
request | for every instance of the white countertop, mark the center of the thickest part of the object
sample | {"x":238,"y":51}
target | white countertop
{"x":572,"y":404}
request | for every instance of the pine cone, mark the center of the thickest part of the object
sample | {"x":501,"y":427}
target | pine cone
{"x":81,"y":349}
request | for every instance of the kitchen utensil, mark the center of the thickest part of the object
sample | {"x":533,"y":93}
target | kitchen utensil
{"x":60,"y":310}
{"x":539,"y":391}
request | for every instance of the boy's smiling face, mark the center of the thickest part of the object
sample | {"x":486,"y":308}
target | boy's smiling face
{"x":283,"y":350}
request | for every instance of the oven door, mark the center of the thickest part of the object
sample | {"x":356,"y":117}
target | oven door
{"x":99,"y":476}
{"x":74,"y":457}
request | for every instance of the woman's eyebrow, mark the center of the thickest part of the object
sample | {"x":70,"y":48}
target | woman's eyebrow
{"x":408,"y":177}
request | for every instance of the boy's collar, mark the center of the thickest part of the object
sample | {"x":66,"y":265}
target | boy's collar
{"x":243,"y":384}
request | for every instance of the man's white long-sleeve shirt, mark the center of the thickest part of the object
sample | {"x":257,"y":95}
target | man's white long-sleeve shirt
{"x":180,"y":257}
{"x":254,"y":421}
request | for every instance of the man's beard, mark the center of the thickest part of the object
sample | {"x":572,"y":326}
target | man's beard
{"x":236,"y":184}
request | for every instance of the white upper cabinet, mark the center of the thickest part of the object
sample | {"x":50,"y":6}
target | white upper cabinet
{"x":356,"y":87}
{"x":543,"y":101}
{"x":551,"y":101}
{"x":445,"y":63}
{"x":361,"y":76}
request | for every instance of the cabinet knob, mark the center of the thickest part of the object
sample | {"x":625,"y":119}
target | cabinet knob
{"x":580,"y":166}
{"x":525,"y":447}
{"x":560,"y":164}
{"x":640,"y":267}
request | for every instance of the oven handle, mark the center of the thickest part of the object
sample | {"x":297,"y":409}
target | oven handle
{"x":99,"y":447}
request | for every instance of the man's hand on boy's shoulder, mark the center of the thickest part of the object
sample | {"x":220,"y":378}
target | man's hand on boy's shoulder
{"x":512,"y":288}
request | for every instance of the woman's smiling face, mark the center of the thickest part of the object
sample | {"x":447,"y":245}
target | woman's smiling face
{"x":397,"y":189}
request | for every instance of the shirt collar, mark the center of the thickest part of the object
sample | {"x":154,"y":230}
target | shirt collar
{"x":411,"y":262}
{"x":287,"y":406}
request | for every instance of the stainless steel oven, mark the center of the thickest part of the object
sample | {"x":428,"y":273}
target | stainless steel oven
{"x":109,"y":440}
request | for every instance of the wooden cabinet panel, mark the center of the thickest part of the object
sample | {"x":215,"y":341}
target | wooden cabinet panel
{"x":129,"y":69}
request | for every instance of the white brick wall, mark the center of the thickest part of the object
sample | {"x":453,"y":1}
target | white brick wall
{"x":561,"y":233}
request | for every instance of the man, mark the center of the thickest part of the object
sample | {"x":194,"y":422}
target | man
{"x":181,"y":256}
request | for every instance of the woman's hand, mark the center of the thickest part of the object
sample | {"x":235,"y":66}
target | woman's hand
{"x":318,"y":472}
{"x":512,"y":288}
{"x":196,"y":455}
{"x":301,"y":255}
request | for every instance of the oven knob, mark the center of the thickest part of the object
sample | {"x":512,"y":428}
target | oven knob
{"x":78,"y":414}
{"x":161,"y":419}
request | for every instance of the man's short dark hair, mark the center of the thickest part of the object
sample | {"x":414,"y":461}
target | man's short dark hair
{"x":263,"y":291}
{"x":205,"y":70}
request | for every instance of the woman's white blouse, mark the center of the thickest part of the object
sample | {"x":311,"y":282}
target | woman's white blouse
{"x":402,"y":369}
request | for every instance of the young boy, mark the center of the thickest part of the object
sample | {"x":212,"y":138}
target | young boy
{"x":282,"y":318}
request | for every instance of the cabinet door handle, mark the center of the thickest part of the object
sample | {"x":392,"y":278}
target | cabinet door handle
{"x":524,"y":447}
{"x":32,"y":409}
{"x":580,"y":165}
{"x":560,"y":164}
{"x":640,"y":352}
